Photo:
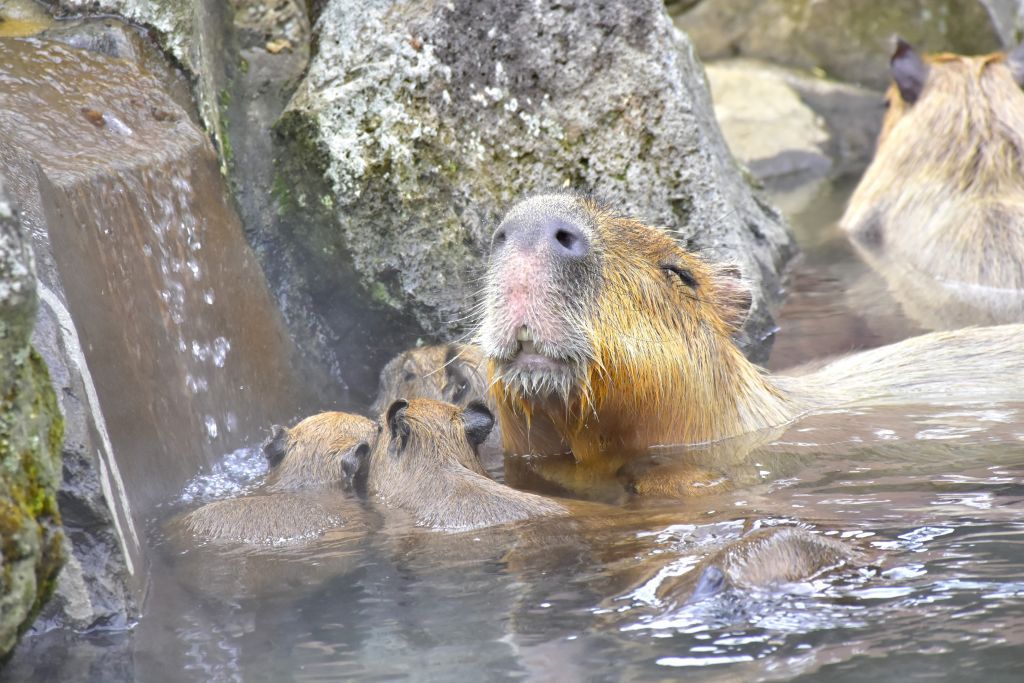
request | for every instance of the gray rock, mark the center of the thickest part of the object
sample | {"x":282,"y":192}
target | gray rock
{"x":428,"y":120}
{"x":767,"y":125}
{"x":30,"y":436}
{"x":849,"y":41}
{"x":793,"y":129}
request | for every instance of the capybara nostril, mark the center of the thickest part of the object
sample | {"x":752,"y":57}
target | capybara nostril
{"x":560,"y":236}
{"x":567,"y":239}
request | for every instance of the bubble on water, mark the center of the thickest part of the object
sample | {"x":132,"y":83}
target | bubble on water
{"x":211,"y":426}
{"x":238,"y":472}
{"x":221,"y":346}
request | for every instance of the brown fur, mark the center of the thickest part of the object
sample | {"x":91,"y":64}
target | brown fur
{"x":653,"y":362}
{"x":760,"y":559}
{"x":452,"y":373}
{"x":295,"y":502}
{"x":311,"y":453}
{"x":427,"y":472}
{"x":945,"y":191}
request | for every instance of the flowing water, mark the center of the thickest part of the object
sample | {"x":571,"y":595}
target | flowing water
{"x":933,"y":496}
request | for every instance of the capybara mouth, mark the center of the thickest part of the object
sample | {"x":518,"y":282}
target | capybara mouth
{"x":534,"y":368}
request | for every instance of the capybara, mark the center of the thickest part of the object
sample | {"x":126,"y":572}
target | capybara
{"x":762,"y":558}
{"x":453,"y":373}
{"x":313,"y":452}
{"x":301,"y":496}
{"x":945,"y":192}
{"x":419,"y":464}
{"x":606,"y":338}
{"x":425,"y":462}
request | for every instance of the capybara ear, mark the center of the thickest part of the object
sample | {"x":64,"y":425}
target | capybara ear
{"x":478,"y":422}
{"x":908,"y":71}
{"x":732,"y":295}
{"x":355,"y":466}
{"x":276,"y":445}
{"x":1015,"y":60}
{"x":397,"y":425}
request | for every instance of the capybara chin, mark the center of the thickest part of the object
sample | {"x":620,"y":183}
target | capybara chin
{"x":945,"y":191}
{"x":605,"y":337}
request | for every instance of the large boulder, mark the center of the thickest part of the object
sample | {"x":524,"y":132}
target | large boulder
{"x":31,"y":430}
{"x":850,"y":41}
{"x":427,"y":120}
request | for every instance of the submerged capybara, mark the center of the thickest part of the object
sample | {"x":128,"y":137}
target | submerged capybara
{"x":606,"y":338}
{"x":425,"y":462}
{"x":452,"y":373}
{"x":945,"y":191}
{"x":302,"y":495}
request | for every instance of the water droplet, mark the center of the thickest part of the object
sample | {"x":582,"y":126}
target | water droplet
{"x":193,"y":266}
{"x":147,"y":250}
{"x":211,"y":426}
{"x":231,"y":421}
{"x":208,"y":296}
{"x":200,"y":351}
{"x":221,"y":346}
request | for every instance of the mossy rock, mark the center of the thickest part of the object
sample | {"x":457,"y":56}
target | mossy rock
{"x":31,"y":432}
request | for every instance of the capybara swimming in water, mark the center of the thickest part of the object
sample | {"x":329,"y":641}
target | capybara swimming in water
{"x":301,"y":496}
{"x":607,"y":338}
{"x":945,"y":191}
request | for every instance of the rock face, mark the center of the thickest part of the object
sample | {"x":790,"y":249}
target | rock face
{"x":31,"y":430}
{"x":850,"y":41}
{"x":430,"y":119}
{"x":789,"y":126}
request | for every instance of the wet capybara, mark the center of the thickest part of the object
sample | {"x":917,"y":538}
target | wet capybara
{"x":760,"y":559}
{"x":418,"y":464}
{"x":606,"y":338}
{"x":945,"y":193}
{"x":313,"y":452}
{"x":301,"y":496}
{"x":425,"y":462}
{"x":452,"y":373}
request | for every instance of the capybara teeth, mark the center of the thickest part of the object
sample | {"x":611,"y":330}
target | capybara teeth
{"x":524,"y":334}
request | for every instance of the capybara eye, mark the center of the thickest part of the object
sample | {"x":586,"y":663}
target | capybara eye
{"x":683,"y":274}
{"x":460,"y":392}
{"x":409,"y":377}
{"x":499,"y":238}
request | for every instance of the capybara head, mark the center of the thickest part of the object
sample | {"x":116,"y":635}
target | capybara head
{"x":418,"y":441}
{"x":945,"y":192}
{"x":453,"y":373}
{"x":314,"y":452}
{"x":598,"y":318}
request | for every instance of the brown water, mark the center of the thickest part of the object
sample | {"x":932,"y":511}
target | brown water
{"x":933,"y":494}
